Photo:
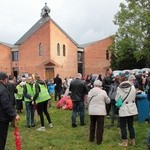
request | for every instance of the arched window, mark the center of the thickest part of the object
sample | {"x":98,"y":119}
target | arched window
{"x":107,"y":55}
{"x":58,"y":49}
{"x":40,"y":49}
{"x":64,"y":50}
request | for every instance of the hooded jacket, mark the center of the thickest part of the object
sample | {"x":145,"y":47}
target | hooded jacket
{"x":128,"y":107}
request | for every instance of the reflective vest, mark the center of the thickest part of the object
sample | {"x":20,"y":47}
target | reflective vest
{"x":30,"y":92}
{"x":43,"y":95}
{"x":19,"y":94}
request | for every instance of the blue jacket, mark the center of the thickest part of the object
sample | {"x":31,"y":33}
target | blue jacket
{"x":51,"y":88}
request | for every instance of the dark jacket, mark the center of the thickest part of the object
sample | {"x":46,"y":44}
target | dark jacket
{"x":12,"y":90}
{"x":78,"y":90}
{"x":58,"y":83}
{"x":7,"y":112}
{"x":107,"y":81}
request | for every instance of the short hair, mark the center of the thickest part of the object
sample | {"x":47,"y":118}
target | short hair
{"x":3,"y":76}
{"x":131,"y":77}
{"x":79,"y":75}
{"x":97,"y":83}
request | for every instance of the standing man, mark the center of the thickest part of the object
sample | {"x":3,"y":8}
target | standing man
{"x":107,"y":81}
{"x":58,"y":87}
{"x":78,"y":91}
{"x":7,"y":112}
{"x":11,"y":85}
{"x":28,"y":92}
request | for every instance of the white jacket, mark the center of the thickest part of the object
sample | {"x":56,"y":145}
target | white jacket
{"x":97,"y":99}
{"x":129,"y":107}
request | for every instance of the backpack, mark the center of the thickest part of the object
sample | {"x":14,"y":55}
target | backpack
{"x":112,"y":91}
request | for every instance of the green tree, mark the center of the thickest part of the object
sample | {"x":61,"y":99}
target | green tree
{"x":132,"y":39}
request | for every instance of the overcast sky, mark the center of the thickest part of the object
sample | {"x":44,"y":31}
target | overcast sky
{"x":83,"y":20}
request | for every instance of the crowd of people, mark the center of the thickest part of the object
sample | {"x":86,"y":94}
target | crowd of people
{"x":99,"y":95}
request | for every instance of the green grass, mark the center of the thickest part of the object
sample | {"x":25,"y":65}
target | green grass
{"x":63,"y":137}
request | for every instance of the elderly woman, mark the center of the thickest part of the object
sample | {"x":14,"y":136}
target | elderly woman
{"x":128,"y":110}
{"x":97,"y":99}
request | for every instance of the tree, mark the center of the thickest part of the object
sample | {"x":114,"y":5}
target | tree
{"x":132,"y":40}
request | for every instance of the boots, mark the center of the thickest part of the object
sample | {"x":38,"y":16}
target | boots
{"x":132,"y":142}
{"x":124,"y":143}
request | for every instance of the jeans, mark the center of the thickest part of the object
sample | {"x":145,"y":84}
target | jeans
{"x":114,"y":111}
{"x":78,"y":107}
{"x":29,"y":113}
{"x":96,"y":123}
{"x":3,"y":134}
{"x":127,"y":121}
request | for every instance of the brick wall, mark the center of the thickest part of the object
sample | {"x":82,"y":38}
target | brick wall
{"x":29,"y":59}
{"x":5,"y":59}
{"x":95,"y":57}
{"x":67,"y":65}
{"x":48,"y":35}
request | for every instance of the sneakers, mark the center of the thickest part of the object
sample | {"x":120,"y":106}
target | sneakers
{"x":132,"y":142}
{"x":50,"y":125}
{"x":124,"y":143}
{"x":41,"y":129}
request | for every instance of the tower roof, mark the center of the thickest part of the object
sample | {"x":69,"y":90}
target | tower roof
{"x":45,"y":11}
{"x":44,"y":18}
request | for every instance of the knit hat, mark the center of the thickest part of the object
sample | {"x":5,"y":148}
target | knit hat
{"x":3,"y":76}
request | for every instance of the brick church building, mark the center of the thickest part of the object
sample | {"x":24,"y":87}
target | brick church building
{"x":46,"y":49}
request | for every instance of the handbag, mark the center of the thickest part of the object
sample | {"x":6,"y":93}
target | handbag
{"x":121,"y":100}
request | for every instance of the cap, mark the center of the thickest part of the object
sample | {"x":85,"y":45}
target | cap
{"x":3,"y":76}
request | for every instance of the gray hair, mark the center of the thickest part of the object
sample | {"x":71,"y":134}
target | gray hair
{"x":98,"y":83}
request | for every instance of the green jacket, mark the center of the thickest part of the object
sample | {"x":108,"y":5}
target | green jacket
{"x":28,"y":92}
{"x":43,"y":94}
{"x":19,"y":94}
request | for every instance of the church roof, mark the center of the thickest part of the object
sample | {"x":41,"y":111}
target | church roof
{"x":90,"y":43}
{"x":39,"y":24}
{"x":33,"y":29}
{"x":7,"y":44}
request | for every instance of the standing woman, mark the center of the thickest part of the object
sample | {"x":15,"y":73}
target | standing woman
{"x":97,"y":99}
{"x":41,"y":99}
{"x":128,"y":110}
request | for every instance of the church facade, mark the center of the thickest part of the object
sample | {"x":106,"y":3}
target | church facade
{"x":46,"y":49}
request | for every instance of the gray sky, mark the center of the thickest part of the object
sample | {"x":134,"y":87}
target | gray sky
{"x":83,"y":20}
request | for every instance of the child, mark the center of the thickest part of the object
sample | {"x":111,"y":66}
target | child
{"x":51,"y":90}
{"x":68,"y":104}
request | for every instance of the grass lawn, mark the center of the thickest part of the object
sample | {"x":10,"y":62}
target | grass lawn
{"x":63,"y":137}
